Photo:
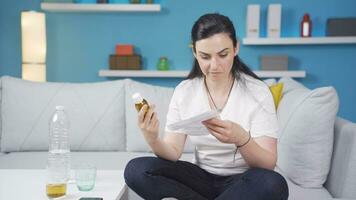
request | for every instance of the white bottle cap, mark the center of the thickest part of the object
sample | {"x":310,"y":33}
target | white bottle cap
{"x":59,"y":107}
{"x":137,"y":98}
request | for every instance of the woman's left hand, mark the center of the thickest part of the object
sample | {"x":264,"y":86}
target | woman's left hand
{"x":226,"y":131}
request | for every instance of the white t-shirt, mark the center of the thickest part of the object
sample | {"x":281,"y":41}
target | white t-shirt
{"x":250,"y":105}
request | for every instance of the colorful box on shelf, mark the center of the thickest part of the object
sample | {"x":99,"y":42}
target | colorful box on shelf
{"x":124,"y":49}
{"x":274,"y":62}
{"x":125,"y":62}
{"x":341,"y":26}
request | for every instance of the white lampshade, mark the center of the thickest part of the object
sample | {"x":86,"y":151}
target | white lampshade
{"x":34,"y":72}
{"x":33,"y":31}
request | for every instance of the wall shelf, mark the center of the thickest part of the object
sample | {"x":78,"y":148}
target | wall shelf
{"x":299,"y":41}
{"x":183,"y":74}
{"x":72,"y":7}
{"x":143,"y":73}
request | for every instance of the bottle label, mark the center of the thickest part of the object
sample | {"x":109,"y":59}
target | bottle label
{"x":305,"y":29}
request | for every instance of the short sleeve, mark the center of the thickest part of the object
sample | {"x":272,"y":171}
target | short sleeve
{"x":173,"y":115}
{"x":264,"y":120}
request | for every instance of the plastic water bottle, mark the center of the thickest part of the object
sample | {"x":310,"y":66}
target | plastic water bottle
{"x":58,"y":161}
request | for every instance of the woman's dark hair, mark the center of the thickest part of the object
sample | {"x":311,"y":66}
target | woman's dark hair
{"x":209,"y":25}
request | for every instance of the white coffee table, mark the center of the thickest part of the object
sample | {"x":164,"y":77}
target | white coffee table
{"x":18,"y":184}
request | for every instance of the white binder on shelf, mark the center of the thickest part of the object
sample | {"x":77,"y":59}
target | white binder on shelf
{"x":274,"y":16}
{"x":253,"y":21}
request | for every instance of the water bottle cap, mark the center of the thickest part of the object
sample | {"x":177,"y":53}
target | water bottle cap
{"x":59,"y":107}
{"x":137,"y":97}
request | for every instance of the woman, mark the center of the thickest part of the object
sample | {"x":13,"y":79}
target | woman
{"x":236,"y":160}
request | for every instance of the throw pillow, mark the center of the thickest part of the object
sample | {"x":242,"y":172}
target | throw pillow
{"x":305,"y":139}
{"x":270,"y":81}
{"x":95,"y":112}
{"x":160,"y":97}
{"x":276,"y":91}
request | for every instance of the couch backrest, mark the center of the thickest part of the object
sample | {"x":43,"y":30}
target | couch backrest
{"x":160,"y":97}
{"x":102,"y":114}
{"x":96,"y":112}
{"x":341,"y":182}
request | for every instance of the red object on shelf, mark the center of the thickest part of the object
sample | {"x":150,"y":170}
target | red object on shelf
{"x":124,"y":49}
{"x":306,"y":26}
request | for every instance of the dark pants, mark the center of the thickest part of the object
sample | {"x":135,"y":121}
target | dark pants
{"x":155,"y":178}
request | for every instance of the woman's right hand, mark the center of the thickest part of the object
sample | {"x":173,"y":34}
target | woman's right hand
{"x":148,"y":123}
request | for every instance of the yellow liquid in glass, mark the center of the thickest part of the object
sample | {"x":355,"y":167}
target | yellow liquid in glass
{"x":56,"y":190}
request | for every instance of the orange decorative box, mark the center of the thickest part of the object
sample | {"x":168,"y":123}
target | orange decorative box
{"x":124,"y":49}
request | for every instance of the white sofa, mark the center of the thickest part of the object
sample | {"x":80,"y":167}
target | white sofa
{"x":312,"y":150}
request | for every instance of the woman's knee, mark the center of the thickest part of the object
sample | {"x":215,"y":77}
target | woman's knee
{"x":275,"y":185}
{"x":135,"y":169}
{"x":139,"y":169}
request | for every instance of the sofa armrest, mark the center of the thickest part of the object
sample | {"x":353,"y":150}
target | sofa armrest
{"x":341,"y":182}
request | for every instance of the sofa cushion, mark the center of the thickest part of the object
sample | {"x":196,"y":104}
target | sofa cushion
{"x":160,"y":97}
{"x":297,"y":192}
{"x":305,"y":139}
{"x":270,"y":81}
{"x":95,"y":112}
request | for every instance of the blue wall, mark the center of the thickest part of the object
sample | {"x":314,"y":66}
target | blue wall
{"x":79,"y":43}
